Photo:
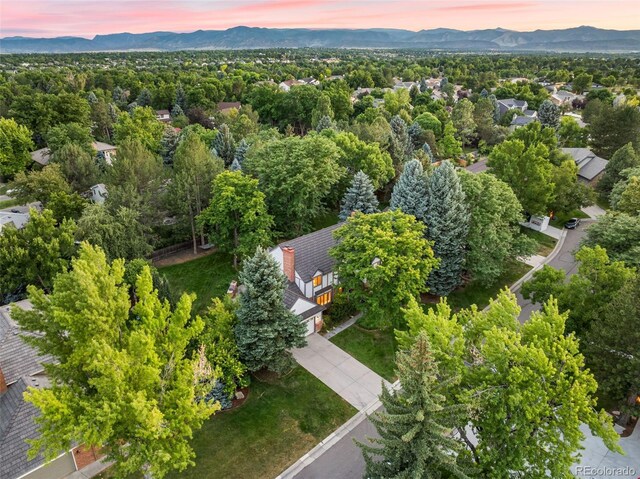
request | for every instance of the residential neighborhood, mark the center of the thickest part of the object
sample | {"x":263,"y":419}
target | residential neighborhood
{"x":318,"y":262}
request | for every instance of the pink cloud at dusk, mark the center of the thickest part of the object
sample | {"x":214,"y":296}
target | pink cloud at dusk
{"x":48,"y":18}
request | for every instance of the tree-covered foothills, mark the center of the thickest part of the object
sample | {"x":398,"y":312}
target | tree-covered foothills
{"x":431,"y":169}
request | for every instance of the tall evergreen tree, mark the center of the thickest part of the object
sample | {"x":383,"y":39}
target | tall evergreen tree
{"x":324,"y":123}
{"x":549,"y":114}
{"x":181,"y":97}
{"x":235,"y":165}
{"x":400,"y":147}
{"x":241,"y":151}
{"x":168,"y":145}
{"x":496,"y":108}
{"x":266,"y":330}
{"x":176,"y":111}
{"x":447,"y":219}
{"x":144,"y":98}
{"x":359,"y":196}
{"x":415,"y":427}
{"x":224,"y":145}
{"x":427,"y":150}
{"x":410,"y":191}
{"x":625,"y":157}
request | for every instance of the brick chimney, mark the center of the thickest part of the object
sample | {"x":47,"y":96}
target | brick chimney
{"x":3,"y":383}
{"x":289,"y":263}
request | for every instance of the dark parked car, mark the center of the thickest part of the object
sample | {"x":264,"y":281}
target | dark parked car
{"x":572,"y":223}
{"x":15,"y":211}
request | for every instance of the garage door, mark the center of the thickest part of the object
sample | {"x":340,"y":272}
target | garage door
{"x":311,"y":326}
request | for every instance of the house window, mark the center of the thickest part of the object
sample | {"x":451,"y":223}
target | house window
{"x":324,"y":298}
{"x":317,"y":280}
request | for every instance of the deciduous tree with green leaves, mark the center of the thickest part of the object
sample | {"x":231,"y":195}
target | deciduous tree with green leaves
{"x":619,"y":234}
{"x":527,"y":170}
{"x":296,"y":175}
{"x":587,"y":294}
{"x":39,"y":185}
{"x":357,"y":155}
{"x":494,"y":236}
{"x":624,"y":158}
{"x":266,"y":330}
{"x":462,"y":118}
{"x":15,"y":145}
{"x":236,"y":220}
{"x":221,"y":348}
{"x":142,"y":124}
{"x":36,"y":253}
{"x":194,"y":168}
{"x":526,"y":386}
{"x":125,"y":386}
{"x":119,"y":233}
{"x":382,"y":260}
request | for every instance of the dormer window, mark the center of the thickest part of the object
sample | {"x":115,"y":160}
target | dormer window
{"x":317,"y":280}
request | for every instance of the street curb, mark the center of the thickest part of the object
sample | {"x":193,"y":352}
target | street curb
{"x":555,"y":252}
{"x":332,"y":438}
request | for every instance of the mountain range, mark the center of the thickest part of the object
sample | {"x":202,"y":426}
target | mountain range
{"x":579,"y":39}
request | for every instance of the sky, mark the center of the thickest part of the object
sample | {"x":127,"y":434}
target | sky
{"x":86,"y":18}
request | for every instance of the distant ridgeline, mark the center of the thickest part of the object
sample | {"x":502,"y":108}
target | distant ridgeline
{"x":580,"y":39}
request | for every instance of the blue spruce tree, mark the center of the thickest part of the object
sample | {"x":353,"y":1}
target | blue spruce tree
{"x":410,"y":191}
{"x":359,"y":196}
{"x":447,"y":221}
{"x":266,"y":330}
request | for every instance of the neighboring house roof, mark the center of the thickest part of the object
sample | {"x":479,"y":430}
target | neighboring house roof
{"x":589,"y":165}
{"x":163,"y":112}
{"x":295,"y":301}
{"x":507,"y":104}
{"x":522,"y":120}
{"x":564,"y":96}
{"x":41,"y":156}
{"x":98,"y":193}
{"x":228,"y":105}
{"x":16,"y":219}
{"x":312,"y":252}
{"x":22,"y":367}
{"x":531,"y":113}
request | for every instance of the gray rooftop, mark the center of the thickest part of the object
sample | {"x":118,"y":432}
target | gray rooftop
{"x":41,"y":156}
{"x":589,"y":164}
{"x":312,"y":252}
{"x":522,"y":120}
{"x":507,"y":104}
{"x":478,"y":167}
{"x":293,"y":294}
{"x":22,"y":367}
{"x":16,"y":426}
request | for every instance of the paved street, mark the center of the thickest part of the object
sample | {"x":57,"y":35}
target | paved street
{"x":564,"y":260}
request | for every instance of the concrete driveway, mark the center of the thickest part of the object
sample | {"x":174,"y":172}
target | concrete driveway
{"x":350,"y":379}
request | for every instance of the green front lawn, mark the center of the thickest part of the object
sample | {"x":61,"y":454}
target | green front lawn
{"x":208,"y":277}
{"x":8,"y":203}
{"x":325,"y":220}
{"x":278,"y":423}
{"x":478,"y":294}
{"x":372,"y":347}
{"x":562,"y":218}
{"x":545,"y":242}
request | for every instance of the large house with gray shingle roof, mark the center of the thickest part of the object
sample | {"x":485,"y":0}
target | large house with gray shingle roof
{"x":590,"y":166}
{"x":306,"y":263}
